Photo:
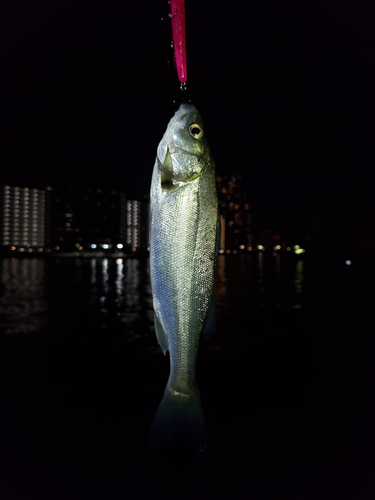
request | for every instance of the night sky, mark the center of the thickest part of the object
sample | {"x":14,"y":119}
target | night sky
{"x":285,"y":90}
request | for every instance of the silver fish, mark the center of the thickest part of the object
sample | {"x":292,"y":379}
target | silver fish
{"x":184,"y":235}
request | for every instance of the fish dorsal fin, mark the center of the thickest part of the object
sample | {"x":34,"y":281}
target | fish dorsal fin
{"x":210,"y":323}
{"x":166,"y":170}
{"x":160,"y":335}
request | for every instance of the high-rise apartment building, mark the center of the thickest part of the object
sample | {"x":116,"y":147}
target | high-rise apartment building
{"x":23,"y":214}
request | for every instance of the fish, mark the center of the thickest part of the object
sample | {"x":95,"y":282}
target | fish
{"x":184,"y":239}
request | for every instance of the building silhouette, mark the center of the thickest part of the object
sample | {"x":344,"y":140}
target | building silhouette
{"x":235,"y":214}
{"x":86,"y":218}
{"x":91,"y":219}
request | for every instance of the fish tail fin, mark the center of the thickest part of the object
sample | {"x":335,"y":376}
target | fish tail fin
{"x":179,"y":416}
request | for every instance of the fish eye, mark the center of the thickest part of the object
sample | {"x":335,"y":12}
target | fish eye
{"x":196,"y":131}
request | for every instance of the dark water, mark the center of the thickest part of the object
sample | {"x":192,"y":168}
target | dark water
{"x":287,"y":383}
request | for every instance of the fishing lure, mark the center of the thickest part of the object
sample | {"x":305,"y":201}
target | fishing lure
{"x":179,"y":43}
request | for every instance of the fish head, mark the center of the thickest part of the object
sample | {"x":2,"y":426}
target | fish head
{"x":183,"y":152}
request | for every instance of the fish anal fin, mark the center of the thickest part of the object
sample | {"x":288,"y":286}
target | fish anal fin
{"x":161,"y":335}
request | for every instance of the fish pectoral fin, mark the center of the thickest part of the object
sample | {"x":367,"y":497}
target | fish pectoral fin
{"x":209,"y":327}
{"x":166,"y":171}
{"x":161,"y":335}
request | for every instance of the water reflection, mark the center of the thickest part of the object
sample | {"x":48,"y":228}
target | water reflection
{"x":298,"y":280}
{"x":116,"y":294}
{"x":23,"y":304}
{"x":258,"y":281}
{"x":278,"y":287}
{"x":221,"y":286}
{"x":120,"y":296}
{"x":119,"y":276}
{"x":93,"y":271}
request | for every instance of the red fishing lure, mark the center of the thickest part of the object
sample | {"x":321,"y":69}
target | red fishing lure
{"x":178,"y":29}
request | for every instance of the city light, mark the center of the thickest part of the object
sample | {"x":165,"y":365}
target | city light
{"x":105,"y":246}
{"x":56,"y":248}
{"x":242,"y":247}
{"x":277,"y":247}
{"x":249,"y":249}
{"x":348,"y":262}
{"x":288,"y":249}
{"x":221,"y":251}
{"x":12,"y":247}
{"x":260,"y":247}
{"x":296,"y":247}
{"x":119,"y":245}
{"x":93,"y":245}
{"x":299,"y":250}
{"x":79,"y":248}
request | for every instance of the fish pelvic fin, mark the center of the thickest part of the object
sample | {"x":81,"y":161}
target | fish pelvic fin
{"x":209,"y":327}
{"x":179,"y":416}
{"x":161,"y":335}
